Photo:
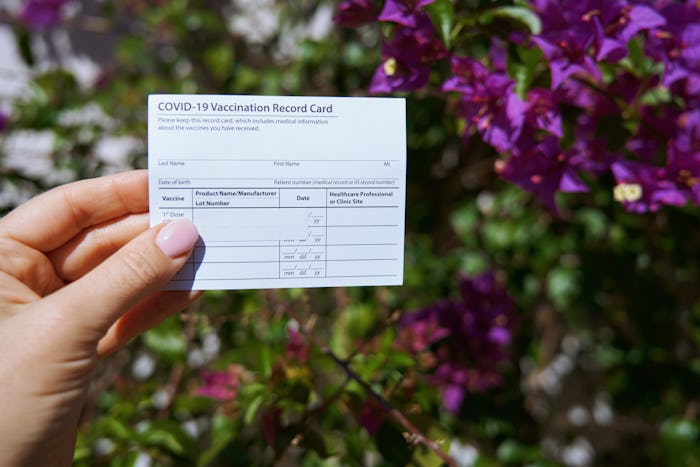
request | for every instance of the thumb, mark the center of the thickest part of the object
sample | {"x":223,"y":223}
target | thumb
{"x":141,"y":267}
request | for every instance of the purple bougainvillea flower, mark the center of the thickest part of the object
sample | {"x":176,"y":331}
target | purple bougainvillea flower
{"x":683,"y":164}
{"x":677,"y":45}
{"x":355,"y":13}
{"x":568,"y":57}
{"x":456,"y":379}
{"x":565,"y":40}
{"x":272,"y":424}
{"x":297,"y":347}
{"x":685,"y":172}
{"x":404,"y":12}
{"x":41,"y":14}
{"x":628,"y":88}
{"x":467,"y":73}
{"x":488,"y":103}
{"x":687,"y":140}
{"x":423,"y":334}
{"x":220,"y":385}
{"x":578,"y":33}
{"x":373,"y":415}
{"x":616,"y":23}
{"x":452,"y":397}
{"x":408,"y":58}
{"x":580,"y":94}
{"x":498,"y":55}
{"x":399,"y":73}
{"x":499,"y":335}
{"x":636,"y":18}
{"x":542,"y":111}
{"x":644,"y":187}
{"x":4,"y":119}
{"x":542,"y":169}
{"x":590,"y":152}
{"x":658,"y":127}
{"x":466,"y":338}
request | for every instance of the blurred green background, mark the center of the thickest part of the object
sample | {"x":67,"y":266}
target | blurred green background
{"x":603,"y":368}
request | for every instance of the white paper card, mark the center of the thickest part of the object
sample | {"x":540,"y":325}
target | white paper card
{"x":285,"y":191}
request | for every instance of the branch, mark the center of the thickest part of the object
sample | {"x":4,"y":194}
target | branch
{"x":350,"y":373}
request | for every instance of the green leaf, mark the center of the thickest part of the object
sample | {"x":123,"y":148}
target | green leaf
{"x":266,"y":361}
{"x":679,"y":431}
{"x":188,"y":404}
{"x":474,"y":263}
{"x":392,"y":445}
{"x":656,"y":96}
{"x":226,"y":452}
{"x":24,"y":45}
{"x":221,"y":428}
{"x":359,"y":320}
{"x":523,"y":69}
{"x":299,"y":392}
{"x":562,"y":285}
{"x":169,"y":435}
{"x":594,"y":223}
{"x":520,"y":15}
{"x":252,"y":409}
{"x":499,"y":234}
{"x":465,"y":221}
{"x":166,"y":342}
{"x":637,"y":62}
{"x":219,"y":60}
{"x":116,"y":428}
{"x":442,"y":12}
{"x":314,"y":441}
{"x":252,"y":390}
{"x":680,"y":441}
{"x":513,"y":452}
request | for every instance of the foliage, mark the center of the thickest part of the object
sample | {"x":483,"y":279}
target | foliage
{"x":550,"y":312}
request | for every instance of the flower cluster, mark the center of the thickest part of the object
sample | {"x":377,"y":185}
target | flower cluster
{"x":638,"y":123}
{"x":297,"y":347}
{"x":4,"y":119}
{"x":466,"y":340}
{"x":221,"y":385}
{"x":408,"y":57}
{"x":41,"y":14}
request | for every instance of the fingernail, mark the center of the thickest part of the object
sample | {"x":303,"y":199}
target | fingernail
{"x":177,"y":237}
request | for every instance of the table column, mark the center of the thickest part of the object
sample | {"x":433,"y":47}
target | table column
{"x":302,"y":233}
{"x":175,"y":204}
{"x":247,"y":250}
{"x":363,"y":225}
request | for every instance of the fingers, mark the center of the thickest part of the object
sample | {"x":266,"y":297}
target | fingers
{"x":144,"y":316}
{"x":28,"y":267}
{"x":93,"y":303}
{"x":14,"y":292}
{"x":88,"y":249}
{"x":51,"y":219}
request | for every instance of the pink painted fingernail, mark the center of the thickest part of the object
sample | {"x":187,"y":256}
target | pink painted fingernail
{"x":177,"y":237}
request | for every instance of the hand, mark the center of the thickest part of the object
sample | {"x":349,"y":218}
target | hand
{"x":80,"y":273}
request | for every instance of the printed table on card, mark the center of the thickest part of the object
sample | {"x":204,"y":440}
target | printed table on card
{"x":285,"y":191}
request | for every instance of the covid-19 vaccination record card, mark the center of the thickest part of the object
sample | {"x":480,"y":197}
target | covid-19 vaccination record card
{"x":285,"y":191}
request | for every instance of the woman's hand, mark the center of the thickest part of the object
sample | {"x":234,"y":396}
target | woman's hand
{"x":80,"y":273}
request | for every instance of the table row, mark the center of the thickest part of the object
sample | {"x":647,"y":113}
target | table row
{"x":266,"y":227}
{"x":277,"y":253}
{"x":204,"y":198}
{"x":286,"y":269}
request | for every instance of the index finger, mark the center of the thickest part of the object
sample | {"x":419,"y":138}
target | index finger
{"x":51,"y":219}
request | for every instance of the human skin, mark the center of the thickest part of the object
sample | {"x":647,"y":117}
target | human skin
{"x":81,"y":272}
